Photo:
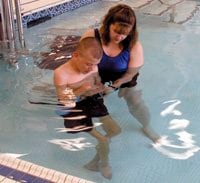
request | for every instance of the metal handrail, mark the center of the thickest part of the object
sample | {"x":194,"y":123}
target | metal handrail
{"x":19,"y":23}
{"x":8,"y":23}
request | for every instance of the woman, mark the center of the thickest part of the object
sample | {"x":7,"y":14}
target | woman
{"x":122,"y":60}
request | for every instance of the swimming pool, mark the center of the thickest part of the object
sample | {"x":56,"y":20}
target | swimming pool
{"x":169,"y":82}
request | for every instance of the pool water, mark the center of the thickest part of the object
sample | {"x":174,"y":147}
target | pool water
{"x":169,"y":82}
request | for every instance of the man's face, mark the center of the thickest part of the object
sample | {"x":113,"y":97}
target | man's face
{"x":87,"y":62}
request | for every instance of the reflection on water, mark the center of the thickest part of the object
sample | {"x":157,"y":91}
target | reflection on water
{"x":169,"y":147}
{"x":13,"y":155}
{"x":171,"y":108}
{"x":69,"y":129}
{"x":75,"y":144}
{"x":42,"y":94}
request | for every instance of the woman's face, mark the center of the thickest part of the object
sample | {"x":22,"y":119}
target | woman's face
{"x":119,"y":32}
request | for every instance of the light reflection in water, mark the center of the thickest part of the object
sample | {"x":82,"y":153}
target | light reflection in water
{"x":76,"y":144}
{"x":171,"y":108}
{"x":69,"y":129}
{"x":13,"y":155}
{"x":187,"y":144}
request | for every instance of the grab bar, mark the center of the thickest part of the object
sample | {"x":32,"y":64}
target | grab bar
{"x":8,"y":23}
{"x":19,"y":23}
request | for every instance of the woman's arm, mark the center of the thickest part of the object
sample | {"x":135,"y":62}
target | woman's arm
{"x":135,"y":63}
{"x":128,"y":76}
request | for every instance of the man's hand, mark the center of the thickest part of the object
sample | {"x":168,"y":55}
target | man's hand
{"x":92,"y":90}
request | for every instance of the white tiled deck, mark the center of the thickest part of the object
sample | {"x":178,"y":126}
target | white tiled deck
{"x":27,"y":169}
{"x":31,"y":6}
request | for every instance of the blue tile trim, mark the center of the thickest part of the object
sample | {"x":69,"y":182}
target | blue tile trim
{"x":56,"y":10}
{"x":20,"y":176}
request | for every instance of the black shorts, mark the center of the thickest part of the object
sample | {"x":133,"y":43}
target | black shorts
{"x":79,"y":118}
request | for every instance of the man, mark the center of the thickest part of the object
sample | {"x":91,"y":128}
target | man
{"x":77,"y":85}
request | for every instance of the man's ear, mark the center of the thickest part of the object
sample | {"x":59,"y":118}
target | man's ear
{"x":75,"y":54}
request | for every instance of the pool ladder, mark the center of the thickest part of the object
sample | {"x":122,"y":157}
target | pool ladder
{"x":11,"y":30}
{"x":10,"y":12}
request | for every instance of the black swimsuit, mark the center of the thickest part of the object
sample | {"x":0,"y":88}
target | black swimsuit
{"x":113,"y":68}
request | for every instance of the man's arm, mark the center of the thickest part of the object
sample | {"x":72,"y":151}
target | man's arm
{"x":65,"y":95}
{"x":92,"y":85}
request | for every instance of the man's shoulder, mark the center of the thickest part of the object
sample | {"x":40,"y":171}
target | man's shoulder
{"x":61,"y":69}
{"x":61,"y":74}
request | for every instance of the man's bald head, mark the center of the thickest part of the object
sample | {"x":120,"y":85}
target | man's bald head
{"x":92,"y":45}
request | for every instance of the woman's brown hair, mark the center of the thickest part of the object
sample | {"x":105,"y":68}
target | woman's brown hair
{"x":125,"y":17}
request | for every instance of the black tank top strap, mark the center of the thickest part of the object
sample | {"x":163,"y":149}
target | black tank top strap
{"x":97,"y":35}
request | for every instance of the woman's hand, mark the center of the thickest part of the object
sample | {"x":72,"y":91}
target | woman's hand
{"x":116,"y":84}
